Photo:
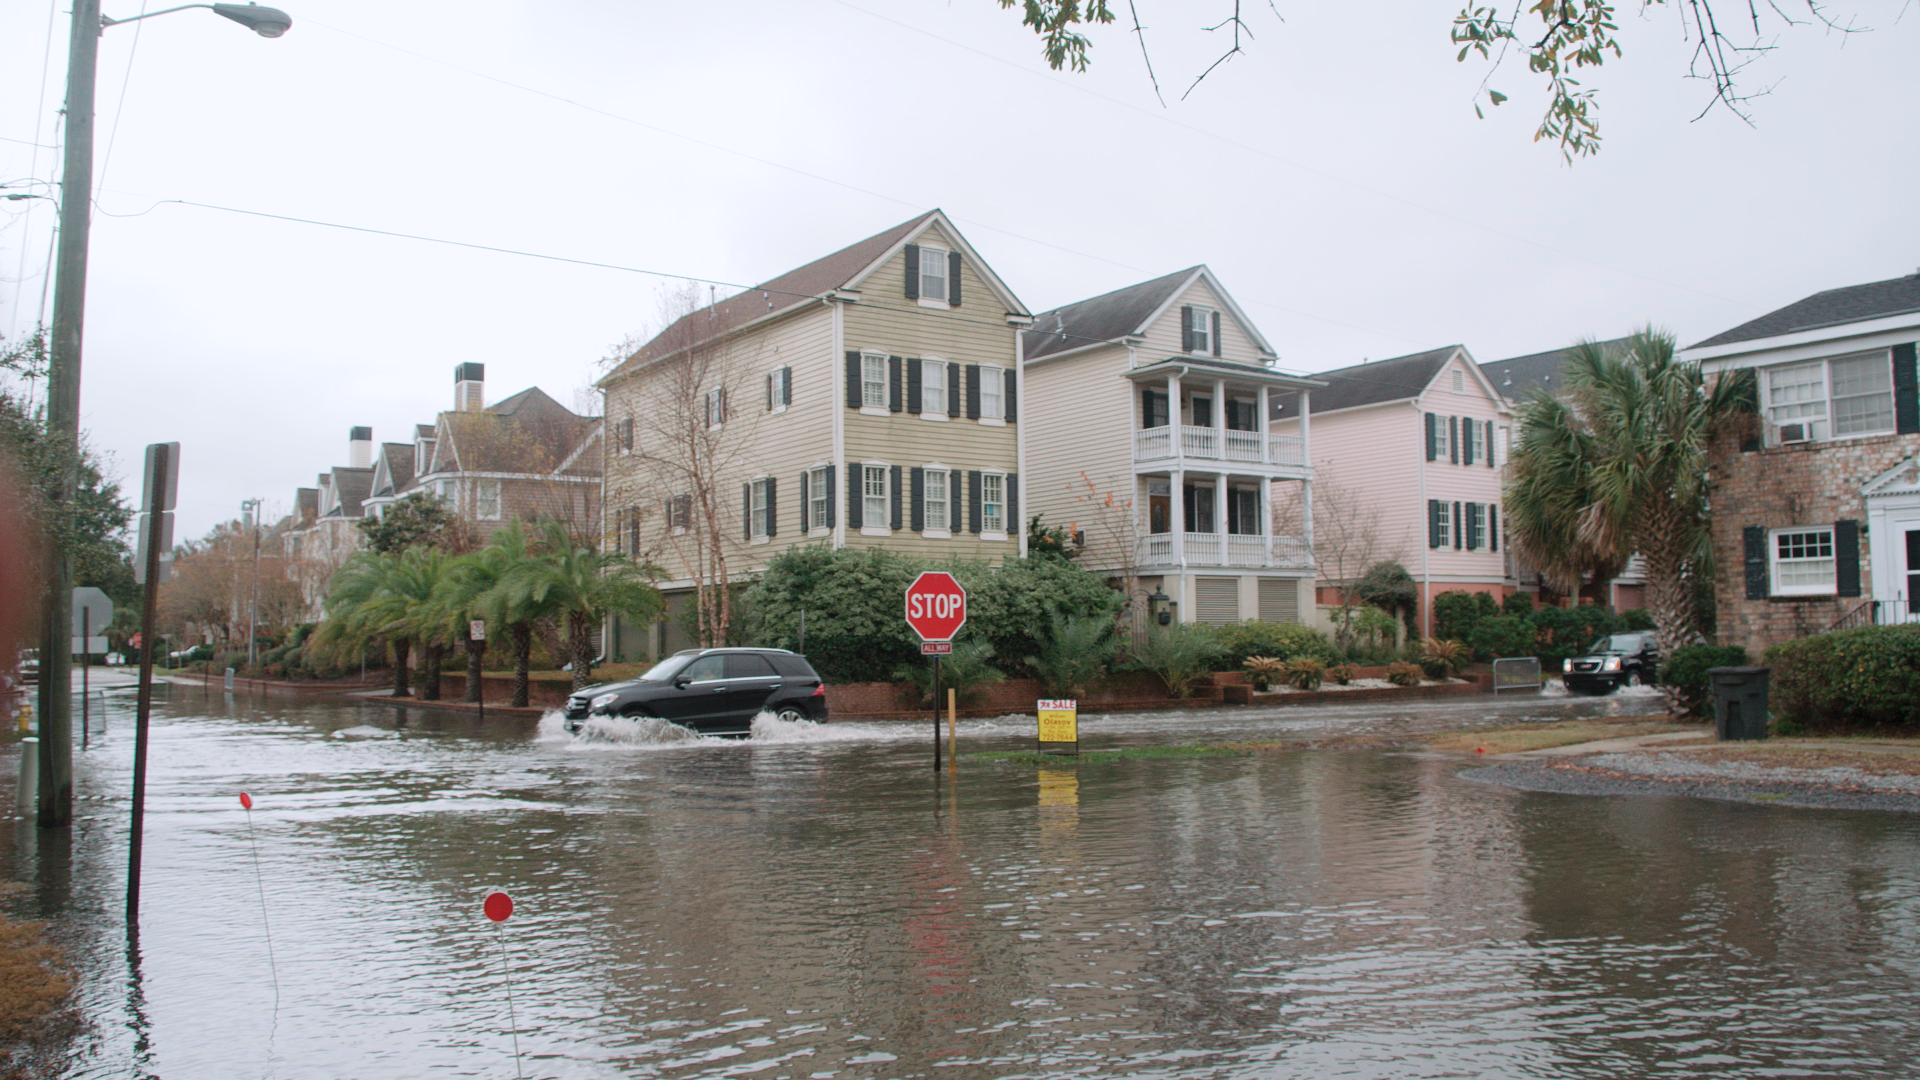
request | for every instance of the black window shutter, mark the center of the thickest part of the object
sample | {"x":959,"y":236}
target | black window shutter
{"x":973,"y":501}
{"x":953,"y":278}
{"x":973,"y":394}
{"x":893,"y":498}
{"x":1186,"y":329}
{"x":1453,"y":439}
{"x":1846,"y":558}
{"x":1489,"y":447}
{"x":1466,"y":438}
{"x":1433,"y":447}
{"x":854,"y":501}
{"x":1433,"y":523}
{"x":893,"y":384}
{"x":1457,"y":530}
{"x":1906,"y":389}
{"x":1753,"y":539}
{"x":746,"y":513}
{"x":786,"y":386}
{"x":1008,"y":408}
{"x":633,"y":532}
{"x":806,"y":504}
{"x":853,"y":378}
{"x":769,"y":391}
{"x":953,"y":389}
{"x":913,"y":271}
{"x":919,"y":499}
{"x":954,"y":489}
{"x":773,"y":518}
{"x":1013,"y":503}
{"x":833,"y":495}
{"x":914,"y":375}
{"x":1493,"y":527}
{"x":1216,"y":333}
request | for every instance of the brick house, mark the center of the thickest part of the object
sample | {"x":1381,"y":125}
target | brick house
{"x":1816,"y":501}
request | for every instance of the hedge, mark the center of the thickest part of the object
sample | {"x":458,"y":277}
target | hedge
{"x":1686,"y":672}
{"x":1867,"y":678}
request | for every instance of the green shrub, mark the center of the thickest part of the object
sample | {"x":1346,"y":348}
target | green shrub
{"x":1305,"y":673}
{"x":1265,"y":670}
{"x":1564,"y":632}
{"x":1455,"y":614}
{"x":1636,"y":619}
{"x":1181,"y":655}
{"x":1685,"y":674}
{"x":1502,"y":635}
{"x":1343,"y":674}
{"x":1865,"y":678}
{"x":1284,"y":641}
{"x":1519,"y":603}
{"x":1372,"y":633}
{"x":965,"y":670}
{"x":1074,"y":653}
{"x":1440,"y":658}
{"x":1402,"y":673}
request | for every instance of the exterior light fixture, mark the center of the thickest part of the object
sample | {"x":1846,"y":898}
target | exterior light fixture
{"x":265,"y":21}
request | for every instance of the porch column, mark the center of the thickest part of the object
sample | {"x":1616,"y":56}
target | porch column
{"x":1306,"y":485}
{"x":1220,"y":496}
{"x":1174,"y":422}
{"x":1177,"y":511}
{"x":1260,"y":427}
{"x":1220,"y":419}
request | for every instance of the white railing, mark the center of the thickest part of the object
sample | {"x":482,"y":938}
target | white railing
{"x":1157,"y":549}
{"x":1218,"y":549}
{"x":1292,"y":552}
{"x":1204,"y":549}
{"x":1218,"y":444}
{"x":1246,"y":551}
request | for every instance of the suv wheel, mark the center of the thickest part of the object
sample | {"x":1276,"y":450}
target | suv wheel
{"x":793,"y":714}
{"x":1635,"y":678}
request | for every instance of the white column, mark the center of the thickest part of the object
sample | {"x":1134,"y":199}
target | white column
{"x":1220,"y":419}
{"x":1261,"y":425}
{"x":1174,"y":422}
{"x":1177,"y":513}
{"x":1220,"y":494}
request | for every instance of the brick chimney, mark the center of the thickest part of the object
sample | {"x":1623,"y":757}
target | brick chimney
{"x":469,"y":387}
{"x":360,"y":447}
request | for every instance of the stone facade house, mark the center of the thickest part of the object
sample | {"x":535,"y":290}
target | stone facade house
{"x":1150,"y":435}
{"x":870,"y":398}
{"x":1816,"y":501}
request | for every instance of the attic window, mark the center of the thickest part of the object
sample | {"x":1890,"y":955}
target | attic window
{"x":1459,"y":381}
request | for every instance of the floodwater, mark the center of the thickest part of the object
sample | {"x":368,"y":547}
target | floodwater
{"x":813,"y":903}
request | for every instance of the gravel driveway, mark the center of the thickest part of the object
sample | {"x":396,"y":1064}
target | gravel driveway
{"x":1786,"y":776}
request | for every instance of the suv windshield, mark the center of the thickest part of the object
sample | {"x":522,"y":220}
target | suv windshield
{"x":1620,"y":643}
{"x":666,"y":669}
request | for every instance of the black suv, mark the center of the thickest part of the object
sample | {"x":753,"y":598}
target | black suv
{"x":1614,"y":661}
{"x":711,"y":691}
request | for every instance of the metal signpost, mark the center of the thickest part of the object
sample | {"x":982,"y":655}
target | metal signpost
{"x":156,"y":532}
{"x":936,"y":610}
{"x":477,"y":631}
{"x":91,"y":608}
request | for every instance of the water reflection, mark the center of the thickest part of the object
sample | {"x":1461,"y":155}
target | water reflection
{"x":813,"y":902}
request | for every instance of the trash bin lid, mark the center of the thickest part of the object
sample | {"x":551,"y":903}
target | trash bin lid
{"x":1736,"y":672}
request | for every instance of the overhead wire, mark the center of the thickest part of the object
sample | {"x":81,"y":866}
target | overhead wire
{"x":33,"y":170}
{"x":120,"y":107}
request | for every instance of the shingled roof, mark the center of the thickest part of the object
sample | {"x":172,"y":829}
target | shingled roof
{"x":1519,"y":377}
{"x":1374,"y":382}
{"x":1835,"y":307}
{"x":1106,"y":317}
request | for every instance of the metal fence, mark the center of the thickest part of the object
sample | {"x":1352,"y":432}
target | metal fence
{"x":1516,"y":673}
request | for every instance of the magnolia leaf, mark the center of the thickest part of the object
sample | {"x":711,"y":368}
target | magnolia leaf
{"x":1496,"y":96}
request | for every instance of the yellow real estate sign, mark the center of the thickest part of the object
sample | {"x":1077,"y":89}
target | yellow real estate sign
{"x":1059,"y":720}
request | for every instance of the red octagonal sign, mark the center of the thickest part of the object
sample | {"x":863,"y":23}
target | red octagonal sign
{"x":936,"y":606}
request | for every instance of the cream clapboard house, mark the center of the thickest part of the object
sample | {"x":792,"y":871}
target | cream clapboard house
{"x":1148,"y":434}
{"x":869,"y":398}
{"x":1421,"y":438}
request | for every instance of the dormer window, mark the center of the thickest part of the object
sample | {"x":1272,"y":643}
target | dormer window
{"x":422,"y":456}
{"x":1200,"y":330}
{"x":933,"y":273}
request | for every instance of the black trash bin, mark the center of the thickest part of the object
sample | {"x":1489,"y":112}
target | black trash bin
{"x":1739,"y":702}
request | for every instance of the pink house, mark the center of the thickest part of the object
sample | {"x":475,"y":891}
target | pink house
{"x":1408,"y":452}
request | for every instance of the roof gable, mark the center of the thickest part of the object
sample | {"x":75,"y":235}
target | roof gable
{"x":1902,"y":479}
{"x":936,"y":222}
{"x":1834,"y":307}
{"x":1397,"y":379}
{"x":1128,"y":312}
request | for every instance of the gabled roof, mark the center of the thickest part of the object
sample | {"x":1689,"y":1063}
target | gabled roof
{"x":423,"y":431}
{"x":1371,"y":383}
{"x":528,"y":432}
{"x":350,"y":488}
{"x":1835,"y":307}
{"x":306,"y":505}
{"x":392,"y":468}
{"x":844,"y":269}
{"x":1516,"y":379}
{"x":1123,"y":313}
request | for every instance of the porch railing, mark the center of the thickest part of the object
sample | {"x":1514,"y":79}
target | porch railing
{"x":1227,"y":549}
{"x":1877,"y":613}
{"x":1218,"y":444}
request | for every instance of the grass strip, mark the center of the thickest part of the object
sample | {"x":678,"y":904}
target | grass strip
{"x":36,"y":1015}
{"x":1128,"y":753}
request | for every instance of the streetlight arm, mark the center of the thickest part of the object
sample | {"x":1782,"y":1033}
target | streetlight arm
{"x":265,"y":21}
{"x":104,"y":21}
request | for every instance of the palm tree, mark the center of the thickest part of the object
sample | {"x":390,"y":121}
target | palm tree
{"x":490,"y":584}
{"x":1622,"y":468}
{"x":384,"y":595}
{"x":1549,"y":487}
{"x":586,"y":586}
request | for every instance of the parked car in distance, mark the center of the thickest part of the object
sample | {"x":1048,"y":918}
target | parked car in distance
{"x":711,"y":691}
{"x":1629,"y":659}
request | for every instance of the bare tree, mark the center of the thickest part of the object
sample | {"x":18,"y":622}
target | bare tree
{"x":1348,"y":537}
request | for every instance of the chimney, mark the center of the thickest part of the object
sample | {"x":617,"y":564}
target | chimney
{"x":469,"y":383}
{"x":360,"y":447}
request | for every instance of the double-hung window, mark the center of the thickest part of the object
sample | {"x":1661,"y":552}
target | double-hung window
{"x":873,"y":381}
{"x":933,"y":388}
{"x":1200,"y":329}
{"x":1803,"y":562}
{"x":874,"y":506}
{"x":1845,"y":395}
{"x":757,"y":510}
{"x":448,"y":490}
{"x":716,"y":407}
{"x":1442,"y":447}
{"x":993,"y":503}
{"x":992,"y":380}
{"x":1443,"y":523}
{"x":933,"y":275}
{"x":779,"y":389}
{"x":817,"y":491}
{"x":486,"y":500}
{"x":934,"y":505}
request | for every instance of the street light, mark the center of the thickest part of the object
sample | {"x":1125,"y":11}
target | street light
{"x":63,"y":378}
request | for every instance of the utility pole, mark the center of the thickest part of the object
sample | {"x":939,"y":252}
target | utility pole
{"x":251,"y":507}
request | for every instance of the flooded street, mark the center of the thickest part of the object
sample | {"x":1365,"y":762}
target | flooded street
{"x":811,"y":903}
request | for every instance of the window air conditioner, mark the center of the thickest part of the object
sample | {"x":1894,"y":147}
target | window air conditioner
{"x":1795,"y":433}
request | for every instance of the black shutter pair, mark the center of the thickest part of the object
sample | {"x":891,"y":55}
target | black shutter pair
{"x":1007,"y":410}
{"x":1153,"y":411}
{"x":913,"y":275}
{"x":779,"y":388}
{"x":853,"y":378}
{"x":1846,"y":560}
{"x":973,"y":501}
{"x":746,"y":514}
{"x":973,"y":394}
{"x":1433,"y":441}
{"x":914,"y":389}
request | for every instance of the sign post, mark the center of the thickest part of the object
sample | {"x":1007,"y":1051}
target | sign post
{"x":91,"y":608}
{"x":156,"y":535}
{"x":1059,"y":723}
{"x":477,"y":693}
{"x":936,"y":610}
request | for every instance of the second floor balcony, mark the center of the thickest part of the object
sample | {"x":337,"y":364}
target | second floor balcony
{"x":1156,"y":444}
{"x":1225,"y":549}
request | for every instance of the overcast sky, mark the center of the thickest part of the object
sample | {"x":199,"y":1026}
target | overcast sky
{"x":1335,"y":178}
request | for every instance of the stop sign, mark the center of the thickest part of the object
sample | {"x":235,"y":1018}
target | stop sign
{"x":936,"y":606}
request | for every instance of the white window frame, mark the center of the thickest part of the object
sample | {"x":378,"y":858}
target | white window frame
{"x":991,"y":507}
{"x":1201,"y":330}
{"x":780,"y":389}
{"x":817,"y":495}
{"x":933,"y":376}
{"x":757,"y":510}
{"x":1780,"y":567}
{"x":485,"y":492}
{"x":1459,"y":381}
{"x":450,"y":492}
{"x":1238,"y":494}
{"x":1442,"y":438}
{"x":871,"y":388}
{"x":1819,"y":413}
{"x":684,"y":523}
{"x":716,"y":403}
{"x":996,"y":378}
{"x":1444,"y":525}
{"x":938,"y":257}
{"x":872,"y":524}
{"x":940,"y":526}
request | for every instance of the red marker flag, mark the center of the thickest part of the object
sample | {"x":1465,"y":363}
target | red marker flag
{"x":246,"y":801}
{"x":498,"y":906}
